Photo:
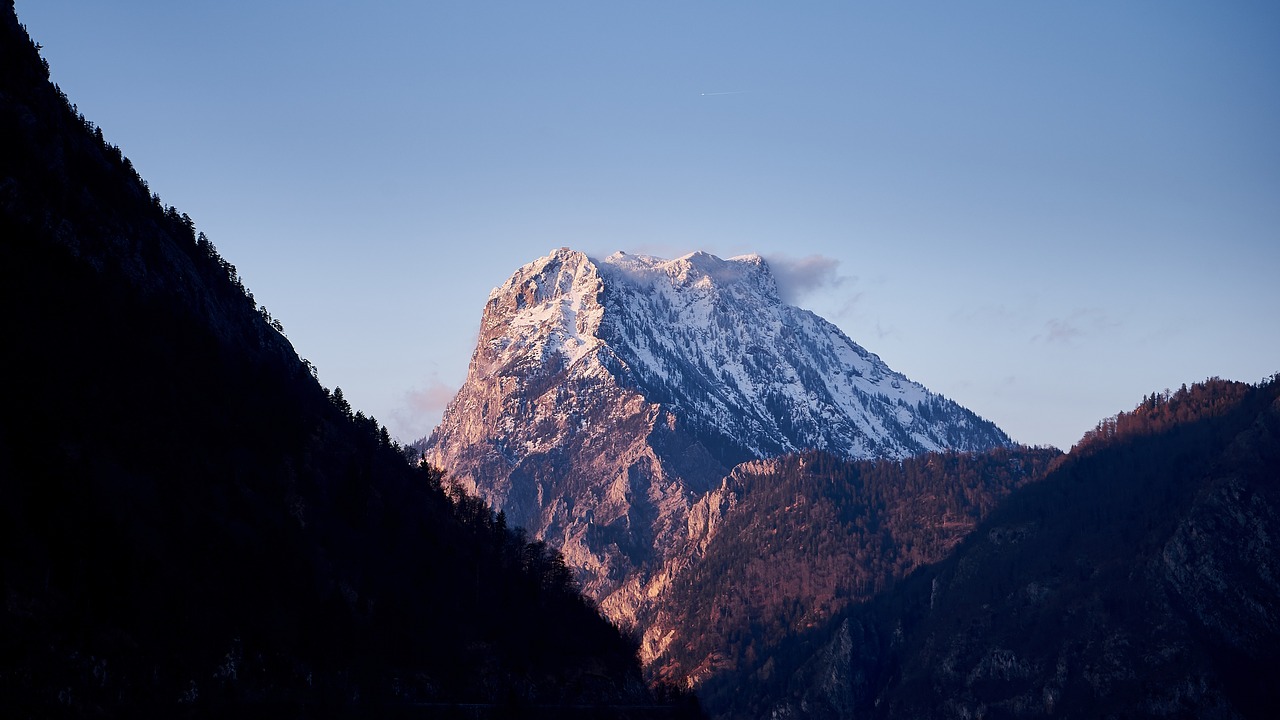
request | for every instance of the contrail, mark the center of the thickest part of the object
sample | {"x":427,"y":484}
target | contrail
{"x":731,"y":92}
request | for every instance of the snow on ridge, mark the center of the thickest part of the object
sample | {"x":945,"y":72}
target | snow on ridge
{"x":714,"y":337}
{"x":699,"y":269}
{"x":711,"y":339}
{"x":555,"y":309}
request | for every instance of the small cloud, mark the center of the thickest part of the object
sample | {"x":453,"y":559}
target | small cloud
{"x":432,"y":399}
{"x":424,"y":407}
{"x":1060,"y":330}
{"x":999,"y":314}
{"x":798,"y":278}
{"x":1082,"y":322}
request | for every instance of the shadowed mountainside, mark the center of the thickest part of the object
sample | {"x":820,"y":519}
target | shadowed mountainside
{"x":1137,"y":579}
{"x":188,"y":519}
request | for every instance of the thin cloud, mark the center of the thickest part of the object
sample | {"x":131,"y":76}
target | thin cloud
{"x":1063,"y":331}
{"x":993,"y":315}
{"x":1080,"y":323}
{"x":423,"y":407}
{"x":798,"y":278}
{"x":431,"y":400}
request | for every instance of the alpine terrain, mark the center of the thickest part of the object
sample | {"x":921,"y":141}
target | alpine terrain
{"x":607,"y":399}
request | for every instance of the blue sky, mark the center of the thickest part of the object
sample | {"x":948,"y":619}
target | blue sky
{"x":1041,"y":210}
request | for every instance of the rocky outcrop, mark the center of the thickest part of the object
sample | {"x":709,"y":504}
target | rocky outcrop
{"x":549,"y":429}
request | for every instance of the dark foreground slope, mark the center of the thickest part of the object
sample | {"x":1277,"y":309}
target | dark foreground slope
{"x":1140,"y":578}
{"x":188,"y":517}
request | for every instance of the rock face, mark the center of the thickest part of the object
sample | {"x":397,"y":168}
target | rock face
{"x":606,"y":398}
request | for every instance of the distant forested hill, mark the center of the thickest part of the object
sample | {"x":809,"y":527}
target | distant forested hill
{"x":187,"y":518}
{"x":801,"y":538}
{"x":1139,"y":578}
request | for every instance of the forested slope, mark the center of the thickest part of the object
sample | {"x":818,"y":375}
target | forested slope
{"x":802,"y":538}
{"x":188,"y":518}
{"x":1137,"y":579}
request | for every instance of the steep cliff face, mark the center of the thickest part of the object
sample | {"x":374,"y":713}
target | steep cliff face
{"x":551,"y":428}
{"x":607,"y":397}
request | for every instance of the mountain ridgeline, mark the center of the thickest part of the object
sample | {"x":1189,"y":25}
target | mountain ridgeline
{"x":189,"y":520}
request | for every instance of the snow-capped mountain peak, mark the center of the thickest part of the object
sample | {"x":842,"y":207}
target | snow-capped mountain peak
{"x":548,"y":307}
{"x":607,"y":396}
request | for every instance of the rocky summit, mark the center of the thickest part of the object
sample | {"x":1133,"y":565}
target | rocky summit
{"x":607,"y":398}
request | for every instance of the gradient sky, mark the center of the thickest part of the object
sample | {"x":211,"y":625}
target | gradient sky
{"x":1041,"y":210}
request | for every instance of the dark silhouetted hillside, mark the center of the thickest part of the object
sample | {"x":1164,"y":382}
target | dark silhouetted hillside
{"x":1139,"y":578}
{"x":187,"y":518}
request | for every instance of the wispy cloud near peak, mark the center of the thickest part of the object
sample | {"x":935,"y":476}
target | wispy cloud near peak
{"x":1081,"y":322}
{"x":798,"y":278}
{"x":423,"y":407}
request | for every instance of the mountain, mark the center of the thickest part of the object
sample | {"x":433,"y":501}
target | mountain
{"x":1138,"y":578}
{"x":190,"y":523}
{"x":606,"y":398}
{"x":801,"y":538}
{"x":651,"y":417}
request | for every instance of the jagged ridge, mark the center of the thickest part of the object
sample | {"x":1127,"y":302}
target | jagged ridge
{"x":711,"y":339}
